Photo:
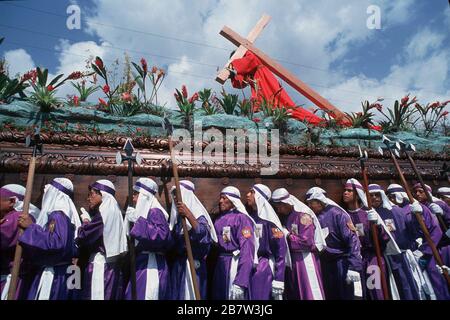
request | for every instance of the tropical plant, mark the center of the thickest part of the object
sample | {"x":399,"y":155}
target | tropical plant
{"x":9,"y":88}
{"x":84,"y":91}
{"x":206,"y":98}
{"x":228,"y":102}
{"x":400,"y":117}
{"x":362,"y":119}
{"x":186,"y":106}
{"x":246,"y":108}
{"x":431,"y":115}
{"x":156,"y":77}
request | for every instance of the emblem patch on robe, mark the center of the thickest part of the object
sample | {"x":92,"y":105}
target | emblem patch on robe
{"x":226,"y":234}
{"x":246,"y":232}
{"x":360,"y":229}
{"x":259,"y":230}
{"x":277,"y":233}
{"x":51,"y":226}
{"x":294,"y":228}
{"x":306,"y":220}
{"x":390,"y":224}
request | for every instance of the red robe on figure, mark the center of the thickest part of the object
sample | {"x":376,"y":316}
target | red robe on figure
{"x":249,"y":69}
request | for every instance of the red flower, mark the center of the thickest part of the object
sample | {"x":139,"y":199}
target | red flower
{"x":50,"y":88}
{"x":76,"y":100}
{"x":160,"y":74}
{"x":102,"y":102}
{"x":435,"y":105}
{"x":193,"y":98}
{"x":75,"y":75}
{"x":144,"y":65}
{"x":184,"y":91}
{"x":177,"y":97}
{"x":106,"y":89}
{"x":445,"y":103}
{"x":404,"y":100}
{"x":99,"y":63}
{"x":30,"y":75}
{"x":377,"y":128}
{"x":257,"y":120}
{"x":126,"y":96}
{"x":138,"y":129}
{"x":445,"y":113}
{"x":154,"y":69}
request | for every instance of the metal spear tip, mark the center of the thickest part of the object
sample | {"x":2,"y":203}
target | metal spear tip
{"x":128,"y":147}
{"x":396,"y":153}
{"x":380,"y":150}
{"x":412,"y":147}
{"x":118,"y":158}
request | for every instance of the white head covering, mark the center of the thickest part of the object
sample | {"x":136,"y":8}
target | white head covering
{"x":444,"y":191}
{"x":18,"y":192}
{"x":355,"y":185}
{"x":114,"y":237}
{"x":320,"y":195}
{"x":234,"y":195}
{"x":191,"y":201}
{"x":398,"y":191}
{"x":266,"y":212}
{"x":376,"y":188}
{"x":282,"y":195}
{"x":58,"y":197}
{"x":392,"y":247}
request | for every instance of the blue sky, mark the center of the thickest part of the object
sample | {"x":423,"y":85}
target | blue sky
{"x":325,"y":43}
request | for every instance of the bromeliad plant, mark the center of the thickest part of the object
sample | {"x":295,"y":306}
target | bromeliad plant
{"x":228,"y":102}
{"x":362,"y":119}
{"x":156,"y":77}
{"x":84,"y":91}
{"x":44,"y":95}
{"x":400,"y":117}
{"x":209,"y":101}
{"x":9,"y":88}
{"x":186,"y":107}
{"x":431,"y":115}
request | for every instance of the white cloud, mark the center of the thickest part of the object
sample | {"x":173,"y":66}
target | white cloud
{"x":19,"y":61}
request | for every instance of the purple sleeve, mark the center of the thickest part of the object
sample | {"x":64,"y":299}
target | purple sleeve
{"x":90,"y":232}
{"x":433,"y":227}
{"x":201,"y":233}
{"x":152,"y":231}
{"x":304,"y":241}
{"x":351,"y":240}
{"x":247,"y":251}
{"x":446,"y":210}
{"x":51,"y":238}
{"x":278,"y":247}
{"x":9,"y":231}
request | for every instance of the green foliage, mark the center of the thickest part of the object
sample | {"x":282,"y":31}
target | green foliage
{"x":206,"y":100}
{"x":228,"y":102}
{"x":9,"y":88}
{"x":362,"y":119}
{"x":84,"y":91}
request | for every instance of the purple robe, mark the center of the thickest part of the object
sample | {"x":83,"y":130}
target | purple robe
{"x":362,"y":225}
{"x":403,"y":234}
{"x":343,"y":253}
{"x":9,"y":233}
{"x":51,"y":246}
{"x":154,"y":236}
{"x":271,"y":246}
{"x":200,"y":243}
{"x":300,"y":284}
{"x":90,"y":238}
{"x":240,"y":237}
{"x":437,"y":280}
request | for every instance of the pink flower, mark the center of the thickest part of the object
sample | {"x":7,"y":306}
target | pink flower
{"x":435,"y":105}
{"x":193,"y":98}
{"x":106,"y":89}
{"x":184,"y":91}
{"x":445,"y":113}
{"x":126,"y":96}
{"x":154,"y":69}
{"x":144,"y":65}
{"x":138,"y":129}
{"x":50,"y":88}
{"x":404,"y":100}
{"x":256,"y":120}
{"x":76,"y":100}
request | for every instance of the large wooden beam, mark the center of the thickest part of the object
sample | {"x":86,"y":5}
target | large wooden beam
{"x":283,"y":73}
{"x":223,"y":74}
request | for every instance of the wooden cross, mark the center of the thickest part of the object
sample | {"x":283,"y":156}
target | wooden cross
{"x":275,"y":67}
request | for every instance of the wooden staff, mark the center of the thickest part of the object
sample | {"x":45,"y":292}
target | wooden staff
{"x":373,"y":226}
{"x":419,"y":217}
{"x":37,"y":146}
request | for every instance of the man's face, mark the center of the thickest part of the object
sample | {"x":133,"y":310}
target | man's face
{"x":282,"y":209}
{"x":6,"y":205}
{"x":251,"y":202}
{"x":135,"y":197}
{"x":348,"y":196}
{"x":316,"y":206}
{"x":420,"y":195}
{"x":225,"y":204}
{"x":376,"y":199}
{"x":94,"y":199}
